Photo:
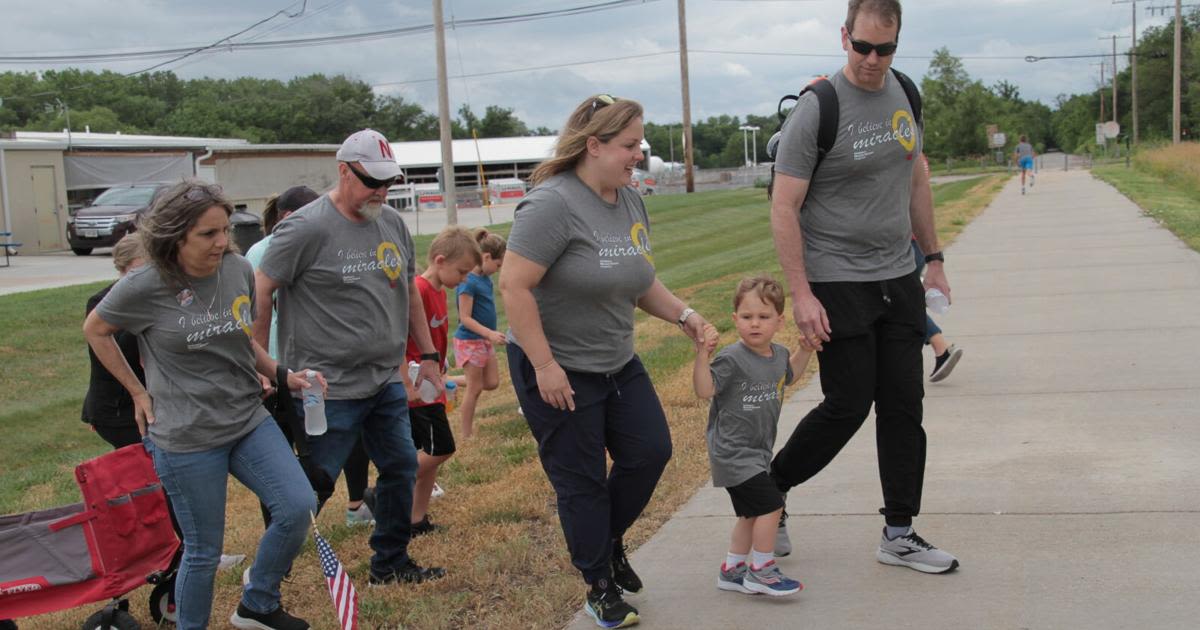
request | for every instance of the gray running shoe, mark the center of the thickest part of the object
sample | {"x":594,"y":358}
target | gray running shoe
{"x":913,"y":552}
{"x":359,"y":516}
{"x":783,"y":544}
{"x":733,"y":579}
{"x":769,"y":580}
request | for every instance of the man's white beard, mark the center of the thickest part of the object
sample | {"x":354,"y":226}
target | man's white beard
{"x":370,"y":210}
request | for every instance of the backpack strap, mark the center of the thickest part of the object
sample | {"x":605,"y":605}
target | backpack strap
{"x":914,"y":95}
{"x":830,"y":115}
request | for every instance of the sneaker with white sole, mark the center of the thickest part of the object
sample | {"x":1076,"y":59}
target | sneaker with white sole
{"x":769,"y":580}
{"x":733,"y":579}
{"x":944,"y":364}
{"x":783,"y":543}
{"x":360,"y":515}
{"x":912,"y":551}
{"x":278,"y":619}
{"x":229,"y":561}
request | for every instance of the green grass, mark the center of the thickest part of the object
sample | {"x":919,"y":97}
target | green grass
{"x":1172,"y":201}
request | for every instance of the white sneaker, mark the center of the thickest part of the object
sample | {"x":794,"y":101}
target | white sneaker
{"x":230,"y":561}
{"x":437,"y":492}
{"x":913,"y":552}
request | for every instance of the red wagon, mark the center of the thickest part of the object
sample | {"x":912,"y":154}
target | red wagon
{"x":119,"y":538}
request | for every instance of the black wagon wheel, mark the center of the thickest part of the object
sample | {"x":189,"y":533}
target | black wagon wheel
{"x":162,"y":602}
{"x":121,"y":620}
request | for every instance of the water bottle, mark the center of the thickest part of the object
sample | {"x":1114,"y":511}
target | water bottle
{"x":937,"y":301}
{"x":314,"y":406}
{"x":451,"y":395}
{"x":426,"y":389}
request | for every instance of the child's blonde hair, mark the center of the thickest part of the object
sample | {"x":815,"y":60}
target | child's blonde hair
{"x":765,"y":287}
{"x":455,"y":242}
{"x":490,"y":243}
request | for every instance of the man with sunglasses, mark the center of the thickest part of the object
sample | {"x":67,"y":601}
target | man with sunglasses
{"x":343,"y":266}
{"x":842,"y":223}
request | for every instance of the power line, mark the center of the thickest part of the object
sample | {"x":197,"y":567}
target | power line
{"x":476,"y":75}
{"x":324,"y":39}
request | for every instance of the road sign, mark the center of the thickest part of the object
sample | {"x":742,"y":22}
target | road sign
{"x":1100,"y":133}
{"x":1112,"y":129}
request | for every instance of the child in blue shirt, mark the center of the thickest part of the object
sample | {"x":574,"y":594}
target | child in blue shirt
{"x":476,"y":336}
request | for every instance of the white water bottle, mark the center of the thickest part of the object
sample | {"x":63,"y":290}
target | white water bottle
{"x":425,"y":389}
{"x":937,"y":301}
{"x":314,"y":406}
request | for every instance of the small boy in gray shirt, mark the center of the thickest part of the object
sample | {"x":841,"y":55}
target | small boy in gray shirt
{"x":745,"y":383}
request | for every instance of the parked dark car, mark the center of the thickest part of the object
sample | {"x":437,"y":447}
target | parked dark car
{"x":115,"y":213}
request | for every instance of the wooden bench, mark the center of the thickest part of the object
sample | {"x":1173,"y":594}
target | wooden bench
{"x":7,"y":242}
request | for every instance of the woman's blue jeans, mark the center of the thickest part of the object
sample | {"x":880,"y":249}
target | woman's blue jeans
{"x":196,"y":483}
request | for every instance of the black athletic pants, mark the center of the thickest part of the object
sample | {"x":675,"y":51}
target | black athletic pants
{"x":874,"y":357}
{"x":615,"y":413}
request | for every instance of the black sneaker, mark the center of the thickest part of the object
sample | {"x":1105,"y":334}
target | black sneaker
{"x":410,"y":573}
{"x":605,"y":605}
{"x":424,"y":526}
{"x":944,"y":363}
{"x":623,"y":574}
{"x":277,"y":619}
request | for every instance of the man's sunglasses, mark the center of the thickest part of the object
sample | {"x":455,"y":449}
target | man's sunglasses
{"x":371,"y":182}
{"x":865,"y":48}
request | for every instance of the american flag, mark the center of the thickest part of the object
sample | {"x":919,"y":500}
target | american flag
{"x":341,"y":589}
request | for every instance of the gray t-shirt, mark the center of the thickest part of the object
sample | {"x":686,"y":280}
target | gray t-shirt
{"x":745,"y":411}
{"x":343,"y":303}
{"x":855,"y":218}
{"x":1024,"y":150}
{"x":598,"y":262}
{"x":195,"y":344}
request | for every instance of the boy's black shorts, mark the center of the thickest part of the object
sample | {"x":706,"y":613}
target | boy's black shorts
{"x":755,"y":496}
{"x":431,"y":430}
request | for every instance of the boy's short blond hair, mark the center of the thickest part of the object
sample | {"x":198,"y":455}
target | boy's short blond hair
{"x":765,"y":287}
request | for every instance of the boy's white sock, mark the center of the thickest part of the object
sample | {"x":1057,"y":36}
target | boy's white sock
{"x":760,"y":558}
{"x":734,"y":559}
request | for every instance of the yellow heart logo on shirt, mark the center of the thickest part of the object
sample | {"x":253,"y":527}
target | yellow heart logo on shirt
{"x":241,"y":313}
{"x":389,"y":264}
{"x":641,"y":240}
{"x":911,"y":141}
{"x":779,"y":387}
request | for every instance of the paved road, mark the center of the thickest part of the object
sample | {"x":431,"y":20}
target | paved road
{"x":1062,"y":452}
{"x":60,"y":269}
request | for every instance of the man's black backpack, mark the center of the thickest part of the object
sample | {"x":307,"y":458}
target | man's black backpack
{"x":830,"y":114}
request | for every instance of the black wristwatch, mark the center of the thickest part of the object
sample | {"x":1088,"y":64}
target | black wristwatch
{"x":432,"y":356}
{"x":938,"y":256}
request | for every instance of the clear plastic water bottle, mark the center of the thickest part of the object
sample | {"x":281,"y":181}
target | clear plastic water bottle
{"x":937,"y":301}
{"x":451,"y":395}
{"x":426,"y":389}
{"x":314,"y":406}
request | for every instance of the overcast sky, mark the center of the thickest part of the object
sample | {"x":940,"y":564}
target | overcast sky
{"x":730,"y":82}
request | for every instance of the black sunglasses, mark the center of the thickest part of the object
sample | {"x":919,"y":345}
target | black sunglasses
{"x":865,"y":48}
{"x":604,"y":100}
{"x":371,"y":182}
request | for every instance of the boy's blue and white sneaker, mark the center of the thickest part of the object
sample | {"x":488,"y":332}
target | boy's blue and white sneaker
{"x":733,"y":579}
{"x":913,"y":552}
{"x":769,"y":580}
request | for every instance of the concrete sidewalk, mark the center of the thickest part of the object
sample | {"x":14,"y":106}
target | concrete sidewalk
{"x":1062,"y":470}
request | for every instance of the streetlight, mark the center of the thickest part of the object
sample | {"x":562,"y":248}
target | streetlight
{"x":754,"y":132}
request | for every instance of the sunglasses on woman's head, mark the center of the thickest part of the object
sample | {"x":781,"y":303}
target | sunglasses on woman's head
{"x":604,"y":100}
{"x":371,"y":182}
{"x":865,"y":48}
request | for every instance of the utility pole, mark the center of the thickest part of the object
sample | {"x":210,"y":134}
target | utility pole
{"x":687,"y":100}
{"x":1115,"y":112}
{"x":1175,"y":109}
{"x":1101,"y":64}
{"x":448,"y":179}
{"x":1133,"y":68}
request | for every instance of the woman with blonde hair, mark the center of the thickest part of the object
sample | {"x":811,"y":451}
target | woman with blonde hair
{"x":191,"y":307}
{"x":579,"y":263}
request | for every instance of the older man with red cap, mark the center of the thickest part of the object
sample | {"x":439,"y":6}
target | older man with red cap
{"x":343,"y":266}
